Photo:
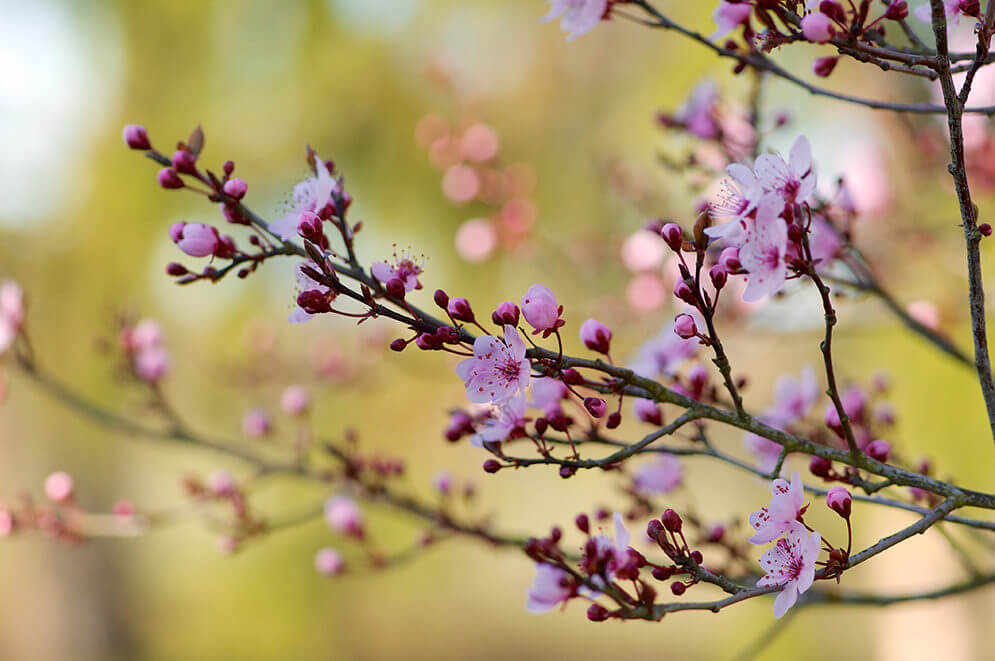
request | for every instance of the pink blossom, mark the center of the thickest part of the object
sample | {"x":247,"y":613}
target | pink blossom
{"x":11,"y":313}
{"x":305,"y":283}
{"x":461,"y":183}
{"x":476,"y":240}
{"x":329,"y":562}
{"x":952,"y":9}
{"x":795,"y":179}
{"x":648,"y":411}
{"x":763,"y":253}
{"x":766,"y":451}
{"x":925,"y":313}
{"x":698,"y":112}
{"x":59,"y":487}
{"x":817,"y":27}
{"x":661,"y":476}
{"x":405,"y":269}
{"x":577,"y":17}
{"x":479,"y":143}
{"x":344,"y":516}
{"x":646,"y":291}
{"x":221,"y":483}
{"x":540,"y":308}
{"x":793,"y":398}
{"x":643,"y":251}
{"x":840,"y":501}
{"x":312,"y":194}
{"x":614,"y":552}
{"x":547,"y":393}
{"x":443,"y":482}
{"x":790,"y":563}
{"x":152,"y":363}
{"x":728,"y":16}
{"x":295,"y":400}
{"x":256,"y":424}
{"x":196,"y":239}
{"x":781,"y":514}
{"x":144,"y":335}
{"x":508,"y":419}
{"x":596,"y":336}
{"x":685,"y":327}
{"x":824,"y":242}
{"x":498,"y":370}
{"x":551,"y":587}
{"x":736,"y":201}
{"x":663,"y":354}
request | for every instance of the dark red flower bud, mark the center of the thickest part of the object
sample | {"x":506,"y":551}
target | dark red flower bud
{"x":176,"y":269}
{"x":678,"y":588}
{"x":662,"y":573}
{"x":169,"y":179}
{"x":572,"y":377}
{"x":136,"y":137}
{"x":441,"y":298}
{"x":459,"y":309}
{"x":567,"y":472}
{"x":314,"y":301}
{"x":614,"y":420}
{"x":820,"y":467}
{"x":672,"y":521}
{"x":595,"y":406}
{"x":506,"y":314}
{"x":583,"y":523}
{"x":824,"y":66}
{"x":673,"y":235}
{"x":697,"y":557}
{"x":398,"y":345}
{"x":985,"y":229}
{"x":898,"y":10}
{"x":492,"y":466}
{"x":184,"y":162}
{"x":395,"y":288}
{"x":597,"y":613}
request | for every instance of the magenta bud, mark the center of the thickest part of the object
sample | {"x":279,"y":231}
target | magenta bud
{"x":971,"y":8}
{"x":506,"y":314}
{"x":309,"y":227}
{"x":824,"y":66}
{"x":459,"y":309}
{"x":583,"y":523}
{"x":898,"y":10}
{"x":236,"y":188}
{"x":314,"y":301}
{"x":541,"y":424}
{"x":683,"y":292}
{"x":833,"y":9}
{"x":597,"y":613}
{"x":572,"y":377}
{"x":653,"y":530}
{"x":136,"y":137}
{"x":820,"y":467}
{"x":685,"y":326}
{"x":398,"y":345}
{"x":169,"y":179}
{"x":228,"y":168}
{"x":832,"y":419}
{"x":673,"y":235}
{"x":662,"y":573}
{"x":441,"y":298}
{"x":879,"y":450}
{"x":428,"y":342}
{"x":678,"y":588}
{"x":719,"y":276}
{"x":697,"y":557}
{"x":567,"y":472}
{"x":985,"y":229}
{"x":492,"y":466}
{"x":672,"y":521}
{"x":176,"y":231}
{"x":395,"y":288}
{"x":596,"y":336}
{"x":595,"y":406}
{"x":176,"y":269}
{"x":729,"y":259}
{"x":839,"y":500}
{"x":614,"y":420}
{"x":184,"y":162}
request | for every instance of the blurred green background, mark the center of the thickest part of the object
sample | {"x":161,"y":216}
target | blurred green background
{"x":83,"y":228}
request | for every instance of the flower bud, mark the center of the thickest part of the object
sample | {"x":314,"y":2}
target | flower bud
{"x":567,"y":472}
{"x":614,"y":420}
{"x":596,"y":336}
{"x":817,"y":28}
{"x":678,"y":588}
{"x":673,"y":235}
{"x":898,"y":10}
{"x":879,"y":450}
{"x":459,"y":309}
{"x":314,"y":301}
{"x":176,"y":269}
{"x":729,"y":259}
{"x":839,"y":500}
{"x":685,"y":326}
{"x":985,"y":229}
{"x":236,"y":188}
{"x":395,"y":288}
{"x":329,"y":562}
{"x":824,"y":66}
{"x":583,"y":523}
{"x":169,"y":179}
{"x":195,"y":239}
{"x":492,"y":466}
{"x":136,"y":137}
{"x":184,"y":162}
{"x":59,"y":487}
{"x":572,"y":377}
{"x":719,"y":276}
{"x":662,"y":573}
{"x":648,"y":411}
{"x":595,"y":406}
{"x":971,"y":8}
{"x":697,"y":557}
{"x":683,"y":292}
{"x":672,"y":521}
{"x":309,"y":227}
{"x":597,"y":613}
{"x":833,"y":9}
{"x":295,"y":400}
{"x":820,"y":467}
{"x":653,"y":530}
{"x":506,"y":314}
{"x":540,"y":308}
{"x":441,"y":298}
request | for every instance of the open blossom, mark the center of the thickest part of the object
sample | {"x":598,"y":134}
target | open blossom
{"x":698,"y":112}
{"x":547,"y":393}
{"x":781,"y":514}
{"x":576,"y":16}
{"x":795,"y":179}
{"x":665,"y":353}
{"x":404,"y":269}
{"x":728,"y":16}
{"x":661,"y":476}
{"x":763,"y":253}
{"x":737,"y":199}
{"x":793,"y":398}
{"x":312,"y":195}
{"x":498,"y":370}
{"x":790,"y":563}
{"x":608,"y":554}
{"x":551,"y":587}
{"x":508,"y":419}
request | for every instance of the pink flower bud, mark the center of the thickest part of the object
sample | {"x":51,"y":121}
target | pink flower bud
{"x":698,"y":378}
{"x":506,"y":314}
{"x":824,"y":66}
{"x":460,"y":310}
{"x":833,"y":420}
{"x":256,"y":424}
{"x":839,"y":500}
{"x":221,"y":483}
{"x":879,"y":450}
{"x":344,"y":516}
{"x":820,"y":467}
{"x":595,"y":406}
{"x":898,"y":10}
{"x":295,"y":400}
{"x":151,"y":364}
{"x":673,"y":235}
{"x":443,"y":482}
{"x":196,"y":239}
{"x":540,"y":308}
{"x":309,"y":227}
{"x":236,"y":188}
{"x":136,"y":137}
{"x":729,"y":260}
{"x":169,"y":179}
{"x":59,"y":487}
{"x":817,"y":28}
{"x":597,"y":613}
{"x":718,"y":275}
{"x":184,"y":162}
{"x":596,"y":336}
{"x":682,"y":291}
{"x":685,"y":326}
{"x":329,"y":562}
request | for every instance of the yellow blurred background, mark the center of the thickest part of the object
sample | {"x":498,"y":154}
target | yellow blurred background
{"x":83,"y":229}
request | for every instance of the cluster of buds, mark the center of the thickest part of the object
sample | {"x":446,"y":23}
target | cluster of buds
{"x":223,"y":488}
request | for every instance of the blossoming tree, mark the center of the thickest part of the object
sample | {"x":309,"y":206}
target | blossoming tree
{"x":530,"y":405}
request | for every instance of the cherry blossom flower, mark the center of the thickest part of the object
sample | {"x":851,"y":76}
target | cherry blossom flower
{"x":577,"y":17}
{"x":547,"y":393}
{"x":498,"y":370}
{"x":795,"y":179}
{"x":763,"y":253}
{"x":295,"y":400}
{"x":736,"y":201}
{"x":728,"y":16}
{"x":509,"y":419}
{"x":766,"y":451}
{"x":698,"y":112}
{"x":256,"y":424}
{"x":551,"y":587}
{"x":781,"y":514}
{"x":404,"y":269}
{"x":151,"y":364}
{"x":952,"y":8}
{"x":663,"y":354}
{"x":312,"y":194}
{"x":790,"y":563}
{"x":476,"y":240}
{"x":59,"y":487}
{"x":648,"y":411}
{"x":329,"y":562}
{"x":304,"y":284}
{"x":661,"y":476}
{"x":612,"y":554}
{"x":195,"y":239}
{"x":344,"y":516}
